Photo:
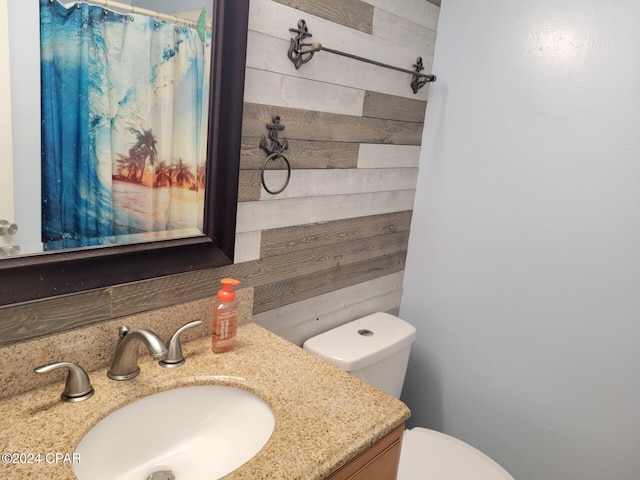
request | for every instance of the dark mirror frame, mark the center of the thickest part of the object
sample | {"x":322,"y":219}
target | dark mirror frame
{"x":59,"y":273}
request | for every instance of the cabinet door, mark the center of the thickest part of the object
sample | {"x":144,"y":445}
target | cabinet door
{"x":378,"y":462}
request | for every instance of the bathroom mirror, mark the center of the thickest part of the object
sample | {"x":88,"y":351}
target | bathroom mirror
{"x":34,"y":275}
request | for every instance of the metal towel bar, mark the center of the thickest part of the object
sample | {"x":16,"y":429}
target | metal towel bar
{"x":300,"y":53}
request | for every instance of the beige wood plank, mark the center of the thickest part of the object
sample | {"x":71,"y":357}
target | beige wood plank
{"x":317,"y":183}
{"x":307,"y":327}
{"x":419,"y":11}
{"x":329,"y":304}
{"x":40,"y":318}
{"x":247,"y":247}
{"x":302,"y":153}
{"x":403,"y":32}
{"x":283,"y":241}
{"x":267,"y":297}
{"x":373,"y":155}
{"x":262,"y":215}
{"x":310,"y":125}
{"x":379,"y":105}
{"x":394,"y":311}
{"x":350,"y":13}
{"x":270,"y":88}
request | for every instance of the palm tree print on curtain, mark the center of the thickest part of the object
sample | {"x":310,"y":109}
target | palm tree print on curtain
{"x":124,"y":109}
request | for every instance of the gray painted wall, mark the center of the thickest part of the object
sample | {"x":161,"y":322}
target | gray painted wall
{"x":523,"y":271}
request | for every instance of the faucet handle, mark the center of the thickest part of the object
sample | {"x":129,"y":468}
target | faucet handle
{"x":78,"y":386}
{"x":175,"y":358}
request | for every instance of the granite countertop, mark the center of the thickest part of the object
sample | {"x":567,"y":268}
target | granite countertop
{"x":324,"y":416}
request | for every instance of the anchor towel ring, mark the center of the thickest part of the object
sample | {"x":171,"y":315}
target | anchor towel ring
{"x":274,"y":156}
{"x":275,"y":151}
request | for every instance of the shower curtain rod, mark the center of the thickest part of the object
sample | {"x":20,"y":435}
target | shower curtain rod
{"x":130,"y":8}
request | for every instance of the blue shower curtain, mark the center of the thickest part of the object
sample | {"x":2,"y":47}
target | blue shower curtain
{"x":124,"y":111}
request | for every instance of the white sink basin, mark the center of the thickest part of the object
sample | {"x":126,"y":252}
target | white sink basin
{"x":198,"y":432}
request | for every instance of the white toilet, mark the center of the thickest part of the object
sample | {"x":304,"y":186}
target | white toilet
{"x":376,"y":349}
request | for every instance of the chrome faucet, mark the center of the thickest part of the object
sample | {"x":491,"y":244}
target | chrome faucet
{"x":77,"y":387}
{"x":174,"y":357}
{"x":125,"y":359}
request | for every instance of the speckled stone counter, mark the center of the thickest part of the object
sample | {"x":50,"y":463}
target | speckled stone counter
{"x":324,"y":416}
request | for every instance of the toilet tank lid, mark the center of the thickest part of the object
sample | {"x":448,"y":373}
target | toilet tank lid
{"x":362,"y":342}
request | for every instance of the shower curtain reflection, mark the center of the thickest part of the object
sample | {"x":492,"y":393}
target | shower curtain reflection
{"x":124,"y":125}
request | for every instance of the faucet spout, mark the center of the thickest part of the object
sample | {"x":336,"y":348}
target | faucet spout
{"x":125,"y":359}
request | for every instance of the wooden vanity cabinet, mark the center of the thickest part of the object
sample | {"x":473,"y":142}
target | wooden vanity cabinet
{"x":378,"y":462}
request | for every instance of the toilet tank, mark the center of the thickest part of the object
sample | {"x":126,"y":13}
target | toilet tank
{"x":374,"y":348}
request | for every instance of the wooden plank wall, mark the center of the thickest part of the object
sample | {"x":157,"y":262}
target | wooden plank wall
{"x":332,"y":246}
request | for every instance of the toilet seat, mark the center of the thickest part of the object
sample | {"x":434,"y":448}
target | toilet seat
{"x":429,"y":454}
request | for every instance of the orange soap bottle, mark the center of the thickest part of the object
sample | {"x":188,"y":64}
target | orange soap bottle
{"x":223,"y":338}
